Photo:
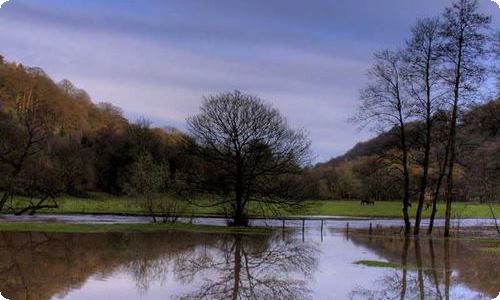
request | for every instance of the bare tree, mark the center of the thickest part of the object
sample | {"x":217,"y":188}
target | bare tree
{"x":250,"y":152}
{"x":385,"y":105}
{"x":24,"y":140}
{"x":463,"y":49}
{"x":422,"y":63}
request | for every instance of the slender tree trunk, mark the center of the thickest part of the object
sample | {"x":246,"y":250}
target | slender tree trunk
{"x":442,"y":174}
{"x":451,"y":162}
{"x":406,"y":173}
{"x":5,"y":196}
{"x":427,"y":151}
{"x":452,"y":137}
{"x":494,"y":218}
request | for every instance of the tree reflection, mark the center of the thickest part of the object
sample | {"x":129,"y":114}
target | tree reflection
{"x":428,"y":272}
{"x":249,"y":267}
{"x":38,"y":266}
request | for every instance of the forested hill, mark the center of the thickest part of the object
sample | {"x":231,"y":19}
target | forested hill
{"x":370,"y":168}
{"x":54,"y":133}
{"x":480,"y":124}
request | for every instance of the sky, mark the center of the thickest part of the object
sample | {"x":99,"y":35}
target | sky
{"x":156,"y":59}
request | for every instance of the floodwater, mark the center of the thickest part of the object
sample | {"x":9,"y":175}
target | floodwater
{"x":284,"y":264}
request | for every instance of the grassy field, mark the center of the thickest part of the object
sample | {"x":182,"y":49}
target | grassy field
{"x":101,"y":203}
{"x":97,"y":228}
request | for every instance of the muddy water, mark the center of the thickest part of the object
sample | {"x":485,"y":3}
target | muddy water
{"x":279,"y":265}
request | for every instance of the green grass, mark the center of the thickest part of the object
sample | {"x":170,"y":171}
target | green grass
{"x":492,"y":250}
{"x":393,"y":209}
{"x":103,"y":203}
{"x":378,"y":264}
{"x":97,"y":228}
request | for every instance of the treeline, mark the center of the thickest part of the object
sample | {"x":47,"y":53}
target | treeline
{"x":55,"y":140}
{"x":368,"y":172}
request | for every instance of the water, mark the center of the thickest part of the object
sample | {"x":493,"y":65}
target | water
{"x":279,"y":265}
{"x":312,"y":221}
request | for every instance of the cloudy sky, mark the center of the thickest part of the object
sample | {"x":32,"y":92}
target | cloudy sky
{"x":157,"y":58}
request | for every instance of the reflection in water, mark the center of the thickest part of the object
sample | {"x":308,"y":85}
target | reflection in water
{"x":183,"y":265}
{"x":249,"y":267}
{"x":458,"y":264}
{"x":42,"y":266}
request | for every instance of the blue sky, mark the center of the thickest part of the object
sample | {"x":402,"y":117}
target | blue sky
{"x":157,"y":58}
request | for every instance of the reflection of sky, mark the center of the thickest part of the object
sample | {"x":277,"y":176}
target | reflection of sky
{"x":157,"y":58}
{"x":337,"y":277}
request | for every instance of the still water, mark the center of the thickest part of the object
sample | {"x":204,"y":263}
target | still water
{"x":279,"y":265}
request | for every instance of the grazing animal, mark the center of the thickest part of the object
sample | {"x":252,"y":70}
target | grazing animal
{"x":367,"y":202}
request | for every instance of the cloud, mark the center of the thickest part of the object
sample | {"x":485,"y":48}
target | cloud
{"x":158,"y":60}
{"x":2,"y":2}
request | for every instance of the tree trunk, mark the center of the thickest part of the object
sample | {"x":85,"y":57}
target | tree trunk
{"x":423,"y":190}
{"x":5,"y":196}
{"x":442,"y":173}
{"x":452,"y":138}
{"x":406,"y":198}
{"x":427,"y":151}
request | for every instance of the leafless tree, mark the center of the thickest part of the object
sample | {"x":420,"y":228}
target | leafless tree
{"x":464,"y":38}
{"x":384,"y":104}
{"x":422,"y":63}
{"x":249,"y":151}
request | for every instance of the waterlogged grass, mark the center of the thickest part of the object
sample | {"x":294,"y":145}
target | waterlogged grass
{"x":103,"y":203}
{"x":376,"y":263}
{"x":98,"y":228}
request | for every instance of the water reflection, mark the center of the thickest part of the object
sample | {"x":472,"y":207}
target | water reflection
{"x":455,"y":269}
{"x":46,"y":266}
{"x":249,"y":267}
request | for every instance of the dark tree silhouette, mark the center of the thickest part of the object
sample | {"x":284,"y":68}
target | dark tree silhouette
{"x":463,"y":32}
{"x":384,"y":103}
{"x":250,"y":152}
{"x":422,"y":63}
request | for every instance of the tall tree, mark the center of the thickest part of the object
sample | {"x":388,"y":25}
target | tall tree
{"x":383,"y":103}
{"x":463,"y":33}
{"x":422,"y":63}
{"x":248,"y":147}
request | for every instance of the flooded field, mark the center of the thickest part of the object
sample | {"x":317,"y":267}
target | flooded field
{"x":288,"y":264}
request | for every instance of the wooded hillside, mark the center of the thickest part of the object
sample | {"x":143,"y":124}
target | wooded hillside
{"x":366,"y":171}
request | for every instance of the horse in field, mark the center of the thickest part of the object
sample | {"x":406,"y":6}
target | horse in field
{"x":367,"y":202}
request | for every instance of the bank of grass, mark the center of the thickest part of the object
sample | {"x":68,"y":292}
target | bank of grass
{"x":378,"y":264}
{"x":491,"y":250}
{"x":107,"y":204}
{"x":103,"y":228}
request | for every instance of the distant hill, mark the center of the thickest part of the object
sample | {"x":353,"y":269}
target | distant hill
{"x":480,"y":124}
